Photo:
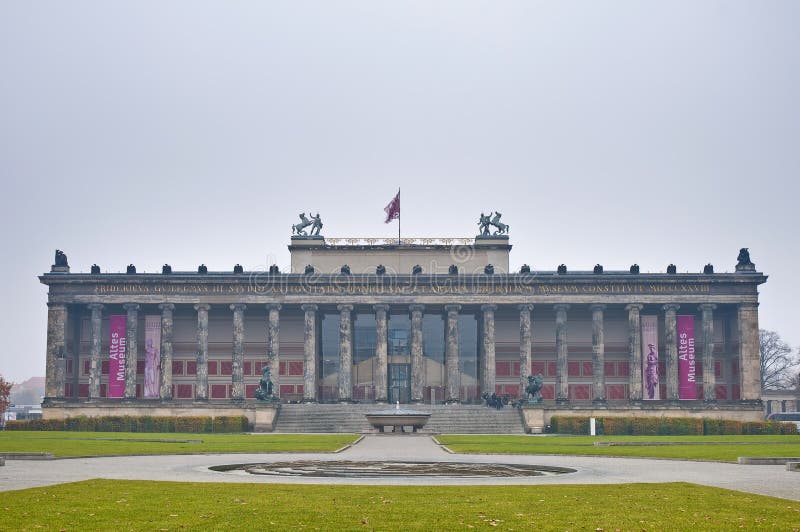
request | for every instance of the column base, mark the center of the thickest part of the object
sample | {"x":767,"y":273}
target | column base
{"x":562,"y":401}
{"x":453,"y":402}
{"x":309,"y":401}
{"x":599,"y":402}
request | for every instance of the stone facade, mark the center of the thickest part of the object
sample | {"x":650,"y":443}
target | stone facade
{"x":423,"y":337}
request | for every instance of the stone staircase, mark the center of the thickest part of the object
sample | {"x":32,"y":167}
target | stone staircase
{"x":445,"y":419}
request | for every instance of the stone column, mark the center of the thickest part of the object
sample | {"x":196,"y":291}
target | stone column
{"x":709,"y":378}
{"x":562,"y":353}
{"x":273,"y":346}
{"x":749,"y":352}
{"x":201,"y":358}
{"x":95,"y":363}
{"x":237,"y":375}
{"x":487,"y":335}
{"x":166,"y":350}
{"x":634,"y":351}
{"x":131,"y":349}
{"x":525,"y":347}
{"x":345,"y":353}
{"x":56,"y":350}
{"x":598,"y":354}
{"x":671,"y":349}
{"x":381,"y":353}
{"x":451,"y":354}
{"x":310,"y":354}
{"x":417,"y":360}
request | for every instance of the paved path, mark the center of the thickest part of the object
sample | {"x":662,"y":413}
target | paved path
{"x":764,"y":480}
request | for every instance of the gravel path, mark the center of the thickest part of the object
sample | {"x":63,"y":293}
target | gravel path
{"x":765,"y":480}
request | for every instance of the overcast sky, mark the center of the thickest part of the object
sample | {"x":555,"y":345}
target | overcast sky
{"x":195,"y":132}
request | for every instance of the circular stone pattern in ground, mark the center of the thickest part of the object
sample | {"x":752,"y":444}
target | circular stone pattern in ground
{"x":348,"y":469}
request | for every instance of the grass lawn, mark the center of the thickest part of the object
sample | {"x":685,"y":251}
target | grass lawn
{"x":138,"y":443}
{"x":778,"y":445}
{"x":137,"y":505}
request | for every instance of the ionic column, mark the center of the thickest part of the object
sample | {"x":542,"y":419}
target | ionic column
{"x":709,"y":379}
{"x":525,"y":347}
{"x":310,"y":354}
{"x":451,"y":354}
{"x":381,"y":352}
{"x":345,"y":352}
{"x":95,"y":363}
{"x":671,"y":349}
{"x":749,"y":352}
{"x":598,"y":354}
{"x":237,"y":375}
{"x":131,"y":349}
{"x":166,"y":350}
{"x":562,"y":353}
{"x":273,"y":346}
{"x":201,"y":359}
{"x":417,"y":362}
{"x":634,"y":351}
{"x":487,"y":334}
{"x":56,"y":350}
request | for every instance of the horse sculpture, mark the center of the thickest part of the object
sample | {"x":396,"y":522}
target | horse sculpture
{"x":299,"y":229}
{"x":533,"y":390}
{"x":501,"y":227}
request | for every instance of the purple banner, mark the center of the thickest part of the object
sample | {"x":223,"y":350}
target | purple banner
{"x":687,"y":367}
{"x":650,"y":381}
{"x":152,"y":352}
{"x":116,"y":356}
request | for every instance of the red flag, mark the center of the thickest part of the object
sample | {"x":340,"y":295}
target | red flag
{"x":393,"y":209}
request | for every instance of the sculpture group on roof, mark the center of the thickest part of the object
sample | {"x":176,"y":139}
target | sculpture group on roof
{"x":487,"y":220}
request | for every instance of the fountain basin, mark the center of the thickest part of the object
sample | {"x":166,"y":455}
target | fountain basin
{"x":398,"y":418}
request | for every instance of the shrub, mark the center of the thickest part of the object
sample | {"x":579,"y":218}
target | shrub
{"x":193,"y":424}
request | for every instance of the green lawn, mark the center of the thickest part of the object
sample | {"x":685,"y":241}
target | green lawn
{"x":137,"y":443}
{"x":137,"y":505}
{"x":778,"y":445}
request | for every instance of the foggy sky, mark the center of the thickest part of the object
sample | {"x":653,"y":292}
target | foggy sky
{"x":195,"y":132}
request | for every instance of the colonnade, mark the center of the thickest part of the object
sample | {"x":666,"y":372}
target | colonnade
{"x":748,"y":350}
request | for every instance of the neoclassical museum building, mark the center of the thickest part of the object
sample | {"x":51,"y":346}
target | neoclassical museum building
{"x":442,"y":321}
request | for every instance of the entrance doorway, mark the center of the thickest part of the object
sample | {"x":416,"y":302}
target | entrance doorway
{"x":399,"y":383}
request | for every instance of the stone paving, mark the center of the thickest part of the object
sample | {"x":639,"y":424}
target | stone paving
{"x":774,"y":480}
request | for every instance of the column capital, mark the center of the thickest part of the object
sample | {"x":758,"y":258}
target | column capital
{"x":748,"y":304}
{"x":50,"y":304}
{"x":670,"y":307}
{"x":561,"y":307}
{"x":452,"y":308}
{"x":382,"y":306}
{"x":416,"y":308}
{"x":597,"y":306}
{"x":130,"y":306}
{"x":166,"y":306}
{"x":345,"y":308}
{"x":273,"y":306}
{"x":205,"y":306}
{"x":525,"y":306}
{"x":707,"y":306}
{"x":490,"y":307}
{"x":238,"y":306}
{"x":634,"y":306}
{"x":309,"y":307}
{"x":95,"y":306}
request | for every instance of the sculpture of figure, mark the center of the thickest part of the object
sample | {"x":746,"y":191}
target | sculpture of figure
{"x":299,"y":229}
{"x":345,"y":270}
{"x":742,"y":260}
{"x":166,"y":269}
{"x":453,"y":269}
{"x":380,"y":270}
{"x":533,"y":390}
{"x":131,"y":269}
{"x":238,"y":269}
{"x":708,"y":269}
{"x":672,"y":269}
{"x":274,"y":270}
{"x":95,"y":269}
{"x":598,"y":269}
{"x":501,"y":227}
{"x":635,"y":269}
{"x":484,"y":223}
{"x":316,"y":224}
{"x":416,"y":270}
{"x":651,"y":372}
{"x":562,"y":269}
{"x":202,"y":269}
{"x":309,"y":269}
{"x":265,"y":386}
{"x":525,"y":269}
{"x":488,"y":269}
{"x":61,"y":258}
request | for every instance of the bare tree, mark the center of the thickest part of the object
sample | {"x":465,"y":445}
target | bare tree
{"x":778,"y":363}
{"x":5,"y":392}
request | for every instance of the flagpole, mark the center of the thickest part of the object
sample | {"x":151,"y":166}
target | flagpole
{"x":399,"y":213}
